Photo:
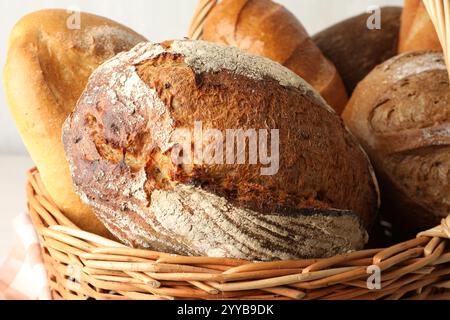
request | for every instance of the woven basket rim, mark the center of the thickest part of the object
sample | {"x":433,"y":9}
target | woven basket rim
{"x":105,"y":269}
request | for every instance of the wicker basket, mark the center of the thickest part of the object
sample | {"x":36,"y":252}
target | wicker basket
{"x":82,"y":265}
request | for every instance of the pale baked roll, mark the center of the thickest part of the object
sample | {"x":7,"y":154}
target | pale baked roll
{"x":47,"y":68}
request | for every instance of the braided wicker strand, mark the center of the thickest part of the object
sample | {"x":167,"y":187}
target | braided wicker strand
{"x":439,"y":12}
{"x":202,"y":12}
{"x":441,"y":231}
{"x":81,"y":265}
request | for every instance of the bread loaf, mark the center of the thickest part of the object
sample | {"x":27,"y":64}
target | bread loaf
{"x":355,"y":49}
{"x":121,"y":138}
{"x":47,"y":67}
{"x":401,"y":114}
{"x":267,"y":29}
{"x":417,"y":30}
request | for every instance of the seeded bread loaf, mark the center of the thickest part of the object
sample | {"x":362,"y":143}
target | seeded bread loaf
{"x":120,"y":139}
{"x":401,"y":114}
{"x":47,"y":67}
{"x":268,"y":29}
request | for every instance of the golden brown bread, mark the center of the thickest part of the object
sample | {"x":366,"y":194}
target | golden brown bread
{"x":417,"y":32}
{"x":121,"y":136}
{"x":401,"y":114}
{"x":267,"y":29}
{"x":355,"y":50}
{"x":47,"y":68}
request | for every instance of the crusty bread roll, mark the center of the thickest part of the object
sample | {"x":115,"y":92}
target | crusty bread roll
{"x":121,"y":138}
{"x":417,"y":30}
{"x":355,"y":49}
{"x":401,"y":114}
{"x":268,"y":29}
{"x":47,"y":67}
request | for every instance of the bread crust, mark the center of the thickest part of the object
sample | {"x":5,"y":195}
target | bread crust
{"x":355,"y":50}
{"x":47,"y":68}
{"x":417,"y":30}
{"x":120,"y":137}
{"x":268,"y":29}
{"x":401,"y":114}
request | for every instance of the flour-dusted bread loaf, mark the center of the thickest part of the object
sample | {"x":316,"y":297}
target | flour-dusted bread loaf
{"x":401,"y":114}
{"x":47,"y":68}
{"x":355,"y":49}
{"x":122,"y":136}
{"x":417,"y":30}
{"x":267,"y":29}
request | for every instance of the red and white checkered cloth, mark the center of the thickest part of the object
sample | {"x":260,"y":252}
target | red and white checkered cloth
{"x":22,"y":275}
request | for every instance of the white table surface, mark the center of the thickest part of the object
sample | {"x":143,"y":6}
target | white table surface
{"x":12,"y":196}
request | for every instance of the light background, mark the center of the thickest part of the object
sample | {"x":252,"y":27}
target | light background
{"x":157,"y":20}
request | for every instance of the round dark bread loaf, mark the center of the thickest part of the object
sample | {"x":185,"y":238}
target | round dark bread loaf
{"x":355,"y":49}
{"x":120,"y":138}
{"x":401,"y":114}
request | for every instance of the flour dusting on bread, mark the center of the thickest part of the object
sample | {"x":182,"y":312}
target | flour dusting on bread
{"x":204,"y":57}
{"x":423,"y":62}
{"x":213,"y":225}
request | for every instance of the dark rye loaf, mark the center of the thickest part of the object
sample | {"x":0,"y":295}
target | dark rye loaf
{"x":355,"y":49}
{"x":120,"y":137}
{"x":401,"y":114}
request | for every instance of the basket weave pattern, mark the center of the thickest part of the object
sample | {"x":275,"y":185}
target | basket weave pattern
{"x":82,"y":265}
